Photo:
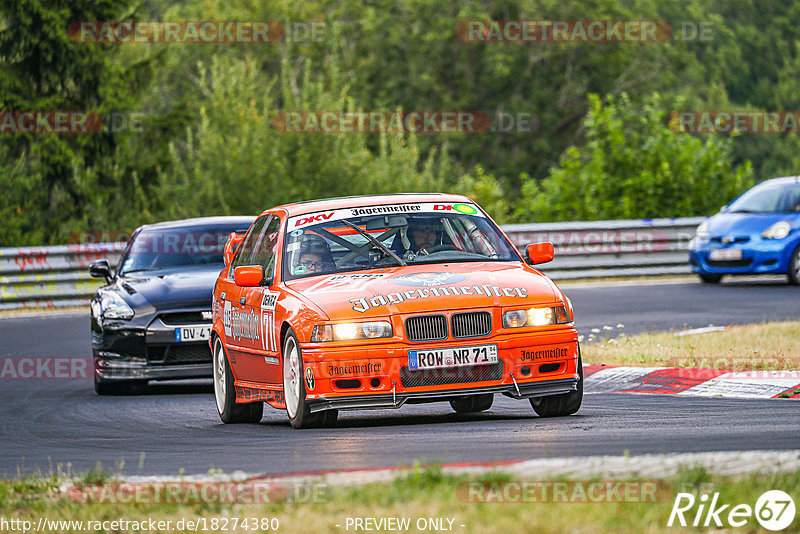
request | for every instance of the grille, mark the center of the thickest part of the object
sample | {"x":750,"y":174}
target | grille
{"x":471,"y":324}
{"x":426,"y":328}
{"x":179,"y":318}
{"x":451,"y":375}
{"x":190,"y":353}
{"x":741,"y":239}
{"x":730,"y":263}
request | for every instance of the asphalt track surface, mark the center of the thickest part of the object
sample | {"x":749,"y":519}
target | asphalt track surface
{"x":45,"y":424}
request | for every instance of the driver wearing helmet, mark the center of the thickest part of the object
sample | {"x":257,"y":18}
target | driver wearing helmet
{"x":421,"y":235}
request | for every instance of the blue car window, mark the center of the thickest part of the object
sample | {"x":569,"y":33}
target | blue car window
{"x":768,"y":199}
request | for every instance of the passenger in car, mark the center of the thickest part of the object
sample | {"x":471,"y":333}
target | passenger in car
{"x":315,"y":258}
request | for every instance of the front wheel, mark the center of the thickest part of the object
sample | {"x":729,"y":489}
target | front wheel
{"x":294,"y":389}
{"x":564,"y":404}
{"x":794,"y":268}
{"x":225,"y":394}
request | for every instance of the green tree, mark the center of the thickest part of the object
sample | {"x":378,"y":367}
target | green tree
{"x":237,"y":161}
{"x":633,"y":165}
{"x":43,"y":70}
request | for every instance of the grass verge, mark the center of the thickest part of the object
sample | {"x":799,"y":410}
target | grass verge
{"x":759,"y":347}
{"x":422,"y":494}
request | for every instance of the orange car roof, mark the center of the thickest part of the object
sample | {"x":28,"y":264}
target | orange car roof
{"x":311,"y":206}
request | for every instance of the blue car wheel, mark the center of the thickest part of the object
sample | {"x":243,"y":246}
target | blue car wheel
{"x":794,"y":268}
{"x":710,"y":278}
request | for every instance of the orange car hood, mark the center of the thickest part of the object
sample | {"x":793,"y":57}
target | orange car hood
{"x":424,"y":288}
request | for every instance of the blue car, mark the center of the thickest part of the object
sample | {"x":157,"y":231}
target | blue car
{"x":758,"y":233}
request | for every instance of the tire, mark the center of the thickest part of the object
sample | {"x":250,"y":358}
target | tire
{"x":330,"y":418}
{"x":294,"y":389}
{"x":794,"y":268}
{"x":127,"y":387}
{"x":472,"y":403}
{"x":560,"y":405}
{"x":225,"y":394}
{"x":710,"y":278}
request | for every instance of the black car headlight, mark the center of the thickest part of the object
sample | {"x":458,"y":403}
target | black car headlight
{"x":112,"y":306}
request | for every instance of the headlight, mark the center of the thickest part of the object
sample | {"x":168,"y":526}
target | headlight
{"x":535,"y":317}
{"x":113,"y":307}
{"x":779,"y":230}
{"x":702,"y":230}
{"x":350,"y":331}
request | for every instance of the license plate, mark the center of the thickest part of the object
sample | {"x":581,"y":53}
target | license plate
{"x":723,"y":254}
{"x":192,"y":333}
{"x":452,"y":357}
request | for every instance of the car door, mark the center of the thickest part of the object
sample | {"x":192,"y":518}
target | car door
{"x":230,"y":296}
{"x":257,"y":333}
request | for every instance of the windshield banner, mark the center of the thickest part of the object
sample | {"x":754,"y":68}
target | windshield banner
{"x":308,"y":219}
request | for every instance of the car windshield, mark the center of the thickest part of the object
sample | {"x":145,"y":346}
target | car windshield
{"x":783,"y":198}
{"x":335,"y":241}
{"x":171,"y":248}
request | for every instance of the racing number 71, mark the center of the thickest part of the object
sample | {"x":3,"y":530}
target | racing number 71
{"x":477,"y":352}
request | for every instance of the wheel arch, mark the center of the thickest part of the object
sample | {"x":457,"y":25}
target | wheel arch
{"x":285,"y":326}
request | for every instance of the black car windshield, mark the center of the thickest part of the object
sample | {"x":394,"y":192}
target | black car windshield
{"x":171,"y":248}
{"x":324,"y":242}
{"x":768,"y":198}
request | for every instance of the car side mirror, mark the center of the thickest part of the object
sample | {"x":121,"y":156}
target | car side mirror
{"x":234,"y":239}
{"x":100,"y":269}
{"x":248,"y":275}
{"x":540,"y":252}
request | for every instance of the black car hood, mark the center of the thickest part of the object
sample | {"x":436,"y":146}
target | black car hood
{"x":170,"y":289}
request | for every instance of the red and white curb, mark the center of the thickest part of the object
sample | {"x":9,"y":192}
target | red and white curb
{"x":692,"y":382}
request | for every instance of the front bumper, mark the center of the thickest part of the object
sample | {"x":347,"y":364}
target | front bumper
{"x":530,"y":364}
{"x":110,"y":371}
{"x":759,"y":256}
{"x":147,"y":351}
{"x":396,"y":400}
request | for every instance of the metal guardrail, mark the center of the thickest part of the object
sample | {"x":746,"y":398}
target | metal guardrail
{"x":599,"y":249}
{"x":52,"y":277}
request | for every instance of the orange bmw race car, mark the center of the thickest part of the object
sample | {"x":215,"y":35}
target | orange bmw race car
{"x":377,"y":301}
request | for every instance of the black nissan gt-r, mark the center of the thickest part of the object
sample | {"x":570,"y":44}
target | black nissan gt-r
{"x":152,"y":319}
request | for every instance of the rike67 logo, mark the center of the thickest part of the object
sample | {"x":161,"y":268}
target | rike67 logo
{"x":774,"y":510}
